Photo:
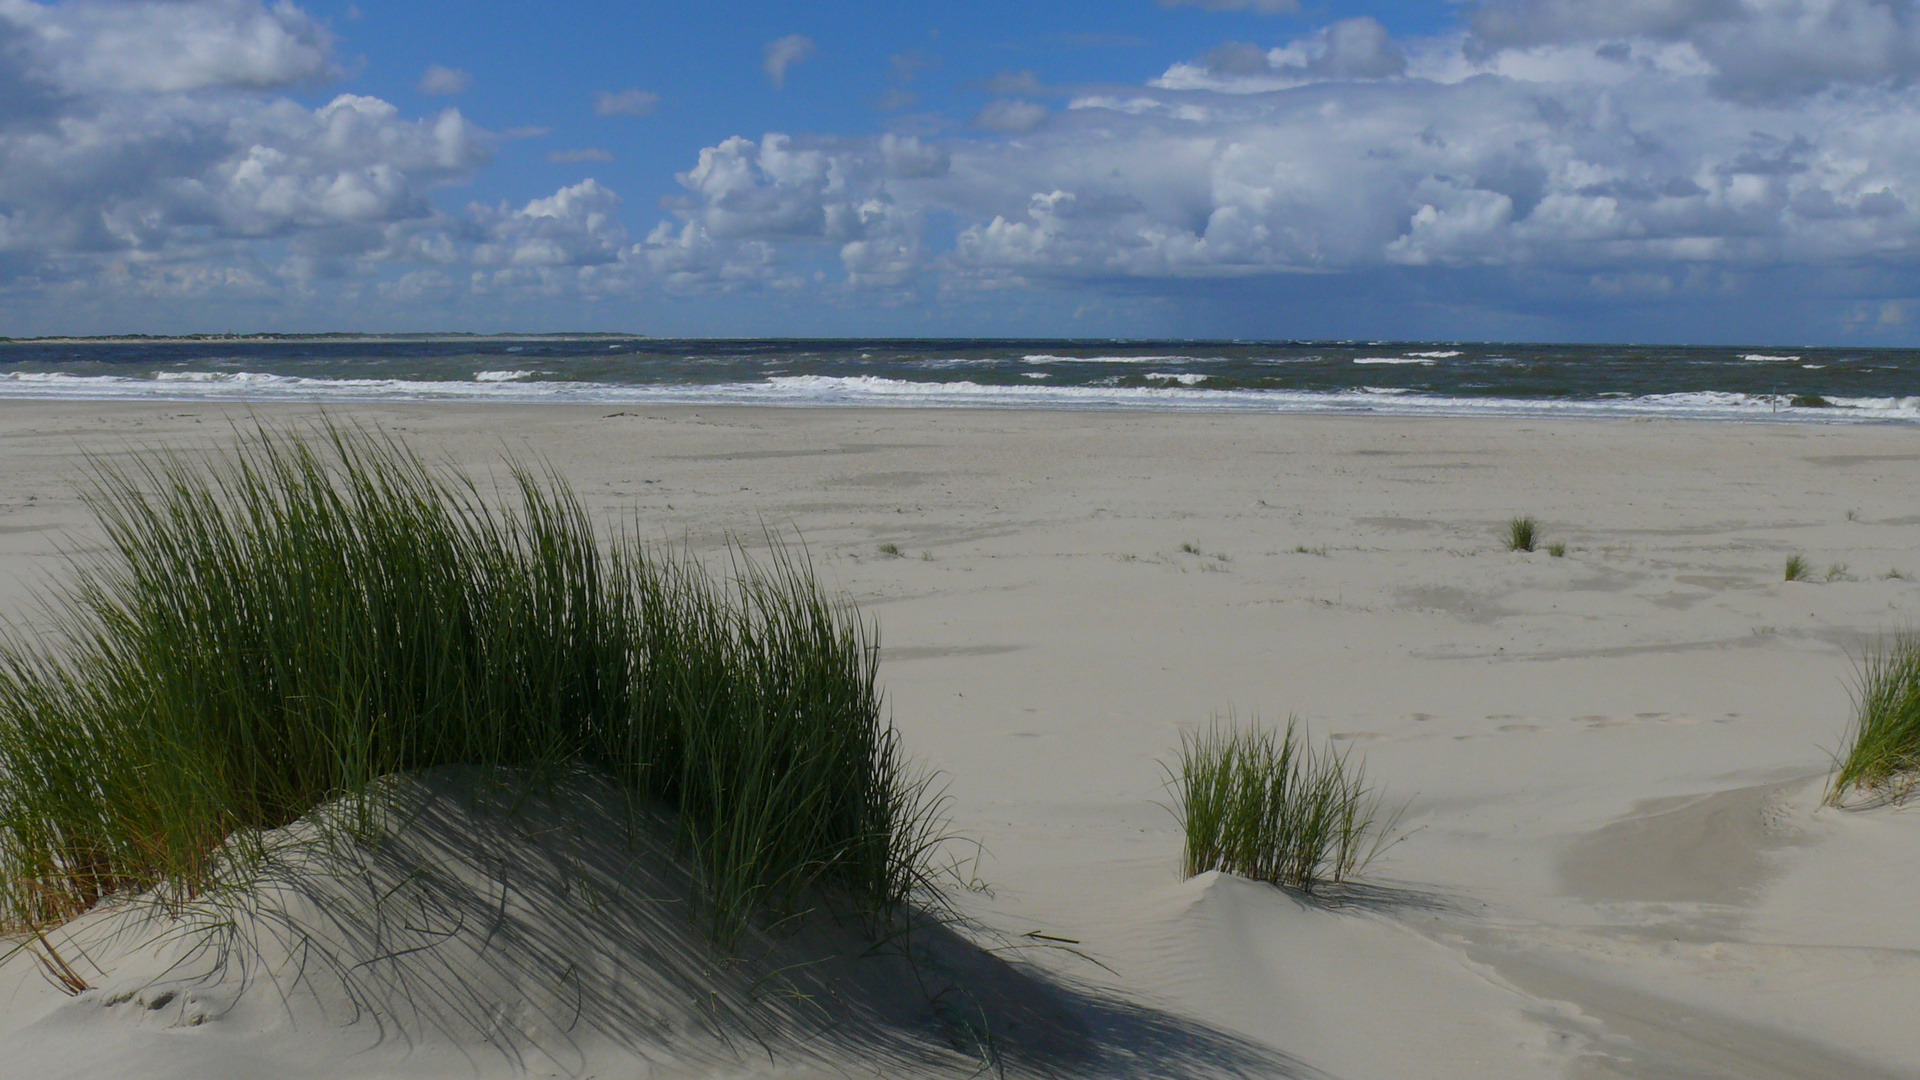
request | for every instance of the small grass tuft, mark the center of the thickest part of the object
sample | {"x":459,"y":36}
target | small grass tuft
{"x":1190,"y":549}
{"x":1798,"y":568}
{"x":1838,"y":572}
{"x":1522,"y":532}
{"x":1883,"y":747}
{"x":1302,"y":549}
{"x":1265,"y":805}
{"x":1896,"y":574}
{"x":1853,"y":515}
{"x":891,"y":550}
{"x":1557,"y":550}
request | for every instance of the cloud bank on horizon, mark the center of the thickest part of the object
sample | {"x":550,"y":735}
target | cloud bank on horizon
{"x":1540,"y":168}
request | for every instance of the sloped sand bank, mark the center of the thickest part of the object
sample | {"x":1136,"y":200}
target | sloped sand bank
{"x":484,"y":923}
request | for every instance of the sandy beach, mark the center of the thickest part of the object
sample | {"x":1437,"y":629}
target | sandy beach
{"x":1615,"y":861}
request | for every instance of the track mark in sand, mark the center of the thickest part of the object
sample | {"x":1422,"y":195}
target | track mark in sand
{"x":1456,"y":602}
{"x":766,"y":455}
{"x":1841,"y":461}
{"x":1401,"y":524}
{"x":940,"y":652}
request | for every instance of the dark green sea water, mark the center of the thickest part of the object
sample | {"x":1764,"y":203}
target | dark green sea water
{"x":1399,"y":378}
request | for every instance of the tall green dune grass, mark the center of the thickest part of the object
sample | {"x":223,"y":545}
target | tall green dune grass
{"x":1265,"y":805}
{"x":1883,"y":751}
{"x":282,"y":625}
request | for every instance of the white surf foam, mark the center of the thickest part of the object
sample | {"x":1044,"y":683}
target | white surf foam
{"x":1049,"y":358}
{"x":868,"y":390}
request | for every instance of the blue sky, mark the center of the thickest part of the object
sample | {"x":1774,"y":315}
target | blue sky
{"x":1616,"y":170}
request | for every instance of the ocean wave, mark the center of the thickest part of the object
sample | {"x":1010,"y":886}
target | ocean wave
{"x":1444,"y":354}
{"x":1184,"y":378}
{"x":1904,"y":408}
{"x":873,"y":390}
{"x":940,"y":363}
{"x":1422,"y":361}
{"x":501,"y":376}
{"x":1049,"y":358}
{"x":1767,"y":356}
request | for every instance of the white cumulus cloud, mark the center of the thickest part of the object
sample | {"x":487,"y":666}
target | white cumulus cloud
{"x":146,"y":161}
{"x":1345,"y":151}
{"x":1635,"y":152}
{"x":89,"y":46}
{"x":1755,"y":48}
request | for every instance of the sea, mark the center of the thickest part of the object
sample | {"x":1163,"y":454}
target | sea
{"x":1789,"y":385}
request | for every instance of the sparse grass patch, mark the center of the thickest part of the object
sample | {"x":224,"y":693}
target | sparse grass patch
{"x":1882,"y":755}
{"x":1265,"y":805}
{"x":1895,"y":574}
{"x":1798,"y":568}
{"x":1521,"y":534}
{"x":1838,"y":572}
{"x":890,"y":550}
{"x":1853,"y":515}
{"x":1557,"y":550}
{"x":1302,"y":549}
{"x":280,"y":626}
{"x":1190,"y":549}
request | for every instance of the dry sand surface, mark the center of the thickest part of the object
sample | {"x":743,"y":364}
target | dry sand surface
{"x":1615,"y":861}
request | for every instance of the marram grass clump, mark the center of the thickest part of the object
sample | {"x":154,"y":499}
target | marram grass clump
{"x":279,"y":626}
{"x":1265,"y":805}
{"x":1882,"y":756}
{"x":1522,"y":534}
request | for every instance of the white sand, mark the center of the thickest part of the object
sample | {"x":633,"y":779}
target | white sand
{"x":1616,"y":864}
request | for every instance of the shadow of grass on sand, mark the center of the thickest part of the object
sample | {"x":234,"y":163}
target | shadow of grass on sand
{"x":549,"y":926}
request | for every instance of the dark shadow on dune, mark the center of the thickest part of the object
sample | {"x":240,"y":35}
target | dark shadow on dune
{"x":1375,"y":897}
{"x":551,"y":926}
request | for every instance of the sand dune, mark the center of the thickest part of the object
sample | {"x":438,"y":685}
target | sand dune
{"x":1616,"y":862}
